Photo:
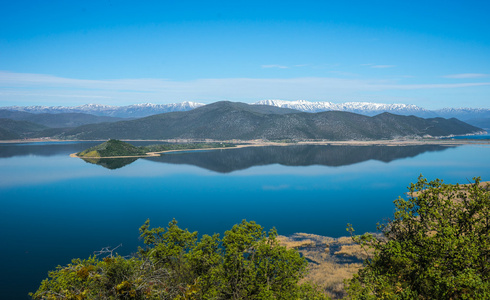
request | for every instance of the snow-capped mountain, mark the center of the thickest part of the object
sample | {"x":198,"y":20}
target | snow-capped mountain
{"x":364,"y":108}
{"x":479,"y":117}
{"x":129,"y":111}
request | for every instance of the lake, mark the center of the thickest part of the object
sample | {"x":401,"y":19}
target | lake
{"x":55,"y":207}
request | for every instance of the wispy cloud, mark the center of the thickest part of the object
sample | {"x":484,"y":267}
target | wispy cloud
{"x":432,"y":86}
{"x":348,"y":74}
{"x":275,"y":66}
{"x":40,"y":88}
{"x":374,"y":66}
{"x":382,"y":66}
{"x":466,"y":75}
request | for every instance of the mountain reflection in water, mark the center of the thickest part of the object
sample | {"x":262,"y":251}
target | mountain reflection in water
{"x":111,"y":163}
{"x":229,"y":160}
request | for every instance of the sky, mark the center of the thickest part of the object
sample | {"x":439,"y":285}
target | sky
{"x":433,"y":54}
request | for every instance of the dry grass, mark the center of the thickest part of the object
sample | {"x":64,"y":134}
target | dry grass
{"x":290,"y":244}
{"x":330,"y":276}
{"x":354,"y":251}
{"x":331,"y":260}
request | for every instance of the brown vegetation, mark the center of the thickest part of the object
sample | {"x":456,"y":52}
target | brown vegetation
{"x":331,"y":260}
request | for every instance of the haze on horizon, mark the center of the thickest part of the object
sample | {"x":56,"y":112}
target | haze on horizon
{"x":433,"y":54}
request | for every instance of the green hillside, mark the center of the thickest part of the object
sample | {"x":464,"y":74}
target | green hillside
{"x":112,"y":148}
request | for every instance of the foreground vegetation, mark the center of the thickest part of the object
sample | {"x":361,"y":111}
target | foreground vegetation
{"x":436,"y":247}
{"x":247,"y":263}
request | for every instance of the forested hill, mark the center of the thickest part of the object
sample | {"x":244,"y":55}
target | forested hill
{"x":12,"y":129}
{"x":232,"y":120}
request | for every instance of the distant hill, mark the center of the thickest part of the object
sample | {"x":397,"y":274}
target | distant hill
{"x":231,"y":120}
{"x":129,"y":111}
{"x":472,"y":116}
{"x":363,"y":108}
{"x":480,"y":122}
{"x":464,"y":113}
{"x":112,"y":148}
{"x":12,"y":130}
{"x":56,"y":120}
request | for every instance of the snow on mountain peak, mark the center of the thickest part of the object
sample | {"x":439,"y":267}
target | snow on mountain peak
{"x":308,"y":106}
{"x":365,"y":108}
{"x":129,"y":111}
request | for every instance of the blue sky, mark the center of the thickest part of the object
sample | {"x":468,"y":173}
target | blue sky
{"x":429,"y":53}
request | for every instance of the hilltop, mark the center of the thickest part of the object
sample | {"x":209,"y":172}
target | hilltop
{"x":111,"y":148}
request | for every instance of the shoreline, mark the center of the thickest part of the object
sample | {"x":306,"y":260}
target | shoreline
{"x":153,"y":154}
{"x":261,"y":143}
{"x":271,"y":143}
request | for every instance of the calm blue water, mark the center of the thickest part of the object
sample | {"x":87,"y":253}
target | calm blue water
{"x":54,"y":208}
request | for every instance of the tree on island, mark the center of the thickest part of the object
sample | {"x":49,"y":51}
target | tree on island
{"x":436,"y":247}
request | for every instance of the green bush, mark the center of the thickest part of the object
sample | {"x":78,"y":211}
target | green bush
{"x":247,"y":263}
{"x":436,"y":247}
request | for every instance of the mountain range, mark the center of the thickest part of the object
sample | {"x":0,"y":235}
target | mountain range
{"x":233,"y":120}
{"x":56,"y":120}
{"x":129,"y":111}
{"x":479,"y":117}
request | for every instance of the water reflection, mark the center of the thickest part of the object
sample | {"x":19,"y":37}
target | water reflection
{"x":226,"y":161}
{"x":54,"y":148}
{"x":111,"y":163}
{"x":230,"y":160}
{"x":43,"y":149}
{"x":48,"y":195}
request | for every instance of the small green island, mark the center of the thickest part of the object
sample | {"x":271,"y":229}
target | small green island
{"x":116,"y":148}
